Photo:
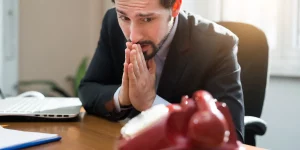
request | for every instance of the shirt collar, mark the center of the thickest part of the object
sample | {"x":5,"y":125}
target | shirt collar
{"x":162,"y":53}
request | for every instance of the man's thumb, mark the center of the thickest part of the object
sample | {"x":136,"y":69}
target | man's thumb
{"x":152,"y":66}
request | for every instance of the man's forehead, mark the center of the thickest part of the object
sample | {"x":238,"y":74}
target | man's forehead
{"x":138,"y":5}
{"x":140,"y":8}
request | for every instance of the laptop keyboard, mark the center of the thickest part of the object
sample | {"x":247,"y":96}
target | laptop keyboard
{"x":48,"y":107}
{"x":25,"y":105}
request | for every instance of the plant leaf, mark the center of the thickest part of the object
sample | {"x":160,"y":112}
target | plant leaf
{"x":80,"y":74}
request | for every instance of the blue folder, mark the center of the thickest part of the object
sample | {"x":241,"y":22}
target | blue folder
{"x":35,"y":143}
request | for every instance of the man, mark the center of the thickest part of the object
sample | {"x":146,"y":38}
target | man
{"x":150,"y":52}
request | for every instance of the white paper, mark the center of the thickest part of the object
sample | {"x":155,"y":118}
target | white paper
{"x":10,"y":137}
{"x":144,"y":120}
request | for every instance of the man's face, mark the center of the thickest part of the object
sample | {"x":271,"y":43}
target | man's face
{"x":144,"y":22}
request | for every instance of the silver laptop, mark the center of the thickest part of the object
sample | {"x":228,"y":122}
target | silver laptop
{"x":41,"y":107}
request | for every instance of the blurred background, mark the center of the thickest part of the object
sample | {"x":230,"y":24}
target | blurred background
{"x":46,"y":45}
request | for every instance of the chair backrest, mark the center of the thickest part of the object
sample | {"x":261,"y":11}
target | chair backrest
{"x":253,"y":56}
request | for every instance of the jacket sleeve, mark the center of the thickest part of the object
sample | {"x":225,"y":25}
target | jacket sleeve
{"x":223,"y":82}
{"x":98,"y":86}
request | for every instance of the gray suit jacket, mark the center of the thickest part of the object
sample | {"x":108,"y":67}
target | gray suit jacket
{"x":202,"y":56}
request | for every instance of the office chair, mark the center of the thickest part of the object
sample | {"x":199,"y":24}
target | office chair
{"x":253,"y":56}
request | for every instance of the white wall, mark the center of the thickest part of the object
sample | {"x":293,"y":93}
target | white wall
{"x":55,"y":35}
{"x":106,"y":5}
{"x":281,"y":111}
{"x":206,"y":8}
{"x":1,"y":45}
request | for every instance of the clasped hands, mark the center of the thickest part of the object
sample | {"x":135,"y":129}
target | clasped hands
{"x":138,"y":80}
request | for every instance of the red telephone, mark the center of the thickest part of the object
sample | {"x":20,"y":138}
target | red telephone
{"x":198,"y":123}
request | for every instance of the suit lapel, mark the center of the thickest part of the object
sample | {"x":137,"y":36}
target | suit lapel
{"x":176,"y":60}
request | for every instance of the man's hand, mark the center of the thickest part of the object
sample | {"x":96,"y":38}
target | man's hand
{"x":124,"y":91}
{"x":141,"y":79}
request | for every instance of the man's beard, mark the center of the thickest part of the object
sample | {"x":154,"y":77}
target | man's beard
{"x":155,"y":48}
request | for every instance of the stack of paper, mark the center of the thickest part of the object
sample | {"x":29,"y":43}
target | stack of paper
{"x":15,"y":139}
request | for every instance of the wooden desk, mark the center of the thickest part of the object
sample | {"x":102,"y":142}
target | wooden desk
{"x":89,"y":133}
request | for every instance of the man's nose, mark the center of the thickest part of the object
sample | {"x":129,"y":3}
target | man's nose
{"x":135,"y":34}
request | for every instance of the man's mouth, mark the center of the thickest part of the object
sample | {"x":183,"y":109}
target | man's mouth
{"x":145,"y":47}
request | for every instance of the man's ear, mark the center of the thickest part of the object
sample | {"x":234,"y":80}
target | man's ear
{"x":176,"y":8}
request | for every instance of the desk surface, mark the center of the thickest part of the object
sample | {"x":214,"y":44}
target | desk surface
{"x":89,"y":133}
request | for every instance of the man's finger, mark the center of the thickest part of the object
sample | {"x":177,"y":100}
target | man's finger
{"x":131,"y":75}
{"x":129,"y":45}
{"x":152,"y":66}
{"x":139,"y":56}
{"x":125,"y":79}
{"x":127,"y":56}
{"x":133,"y":60}
{"x":125,"y":86}
{"x":142,"y":56}
{"x":125,"y":74}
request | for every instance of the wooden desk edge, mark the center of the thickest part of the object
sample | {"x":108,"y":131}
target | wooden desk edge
{"x":248,"y":147}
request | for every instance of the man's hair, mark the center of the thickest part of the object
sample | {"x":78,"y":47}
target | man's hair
{"x":165,"y":3}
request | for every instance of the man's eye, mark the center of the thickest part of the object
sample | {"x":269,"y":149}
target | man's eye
{"x":124,"y":18}
{"x":147,"y":19}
